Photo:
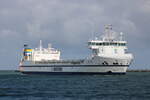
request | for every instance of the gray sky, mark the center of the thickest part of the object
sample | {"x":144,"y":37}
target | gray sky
{"x":68,"y":24}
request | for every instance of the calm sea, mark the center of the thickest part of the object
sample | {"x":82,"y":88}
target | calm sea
{"x":132,"y":86}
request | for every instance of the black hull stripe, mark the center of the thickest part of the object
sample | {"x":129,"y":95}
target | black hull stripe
{"x":75,"y":73}
{"x":76,"y":66}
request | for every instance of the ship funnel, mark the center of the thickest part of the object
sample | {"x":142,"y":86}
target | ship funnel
{"x":27,"y":52}
{"x":25,"y":46}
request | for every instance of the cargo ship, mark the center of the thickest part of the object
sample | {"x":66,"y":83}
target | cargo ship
{"x":109,"y":56}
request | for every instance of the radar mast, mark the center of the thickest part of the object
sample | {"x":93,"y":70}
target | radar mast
{"x":40,"y":47}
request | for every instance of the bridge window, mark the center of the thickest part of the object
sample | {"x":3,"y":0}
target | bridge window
{"x":93,"y":43}
{"x":100,"y":43}
{"x":119,"y":44}
{"x":107,"y":44}
{"x":122,"y":44}
{"x":97,"y":43}
{"x":111,"y":43}
{"x":103,"y":43}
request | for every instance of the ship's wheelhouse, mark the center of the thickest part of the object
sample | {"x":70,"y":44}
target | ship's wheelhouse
{"x":106,"y":44}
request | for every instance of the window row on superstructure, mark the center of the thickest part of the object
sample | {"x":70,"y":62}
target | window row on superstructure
{"x":107,"y":44}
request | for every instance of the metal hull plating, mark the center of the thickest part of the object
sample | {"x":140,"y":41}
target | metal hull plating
{"x":75,"y":73}
{"x":75,"y":69}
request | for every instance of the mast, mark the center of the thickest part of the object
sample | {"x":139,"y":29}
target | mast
{"x":121,"y":36}
{"x":40,"y":47}
{"x":108,"y":32}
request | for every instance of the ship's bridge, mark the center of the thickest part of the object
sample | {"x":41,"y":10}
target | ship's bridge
{"x":110,"y":43}
{"x":93,"y":44}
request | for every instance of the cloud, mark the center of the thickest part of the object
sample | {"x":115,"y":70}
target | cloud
{"x":7,"y":33}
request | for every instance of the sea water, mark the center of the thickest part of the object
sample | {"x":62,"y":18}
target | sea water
{"x":17,"y":86}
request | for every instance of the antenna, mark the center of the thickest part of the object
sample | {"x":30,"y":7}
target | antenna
{"x":108,"y":31}
{"x":93,"y":30}
{"x":121,"y":36}
{"x":49,"y":45}
{"x":40,"y":45}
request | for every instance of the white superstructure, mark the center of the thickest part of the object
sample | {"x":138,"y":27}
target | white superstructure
{"x":41,"y":54}
{"x":45,"y":54}
{"x":109,"y":55}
